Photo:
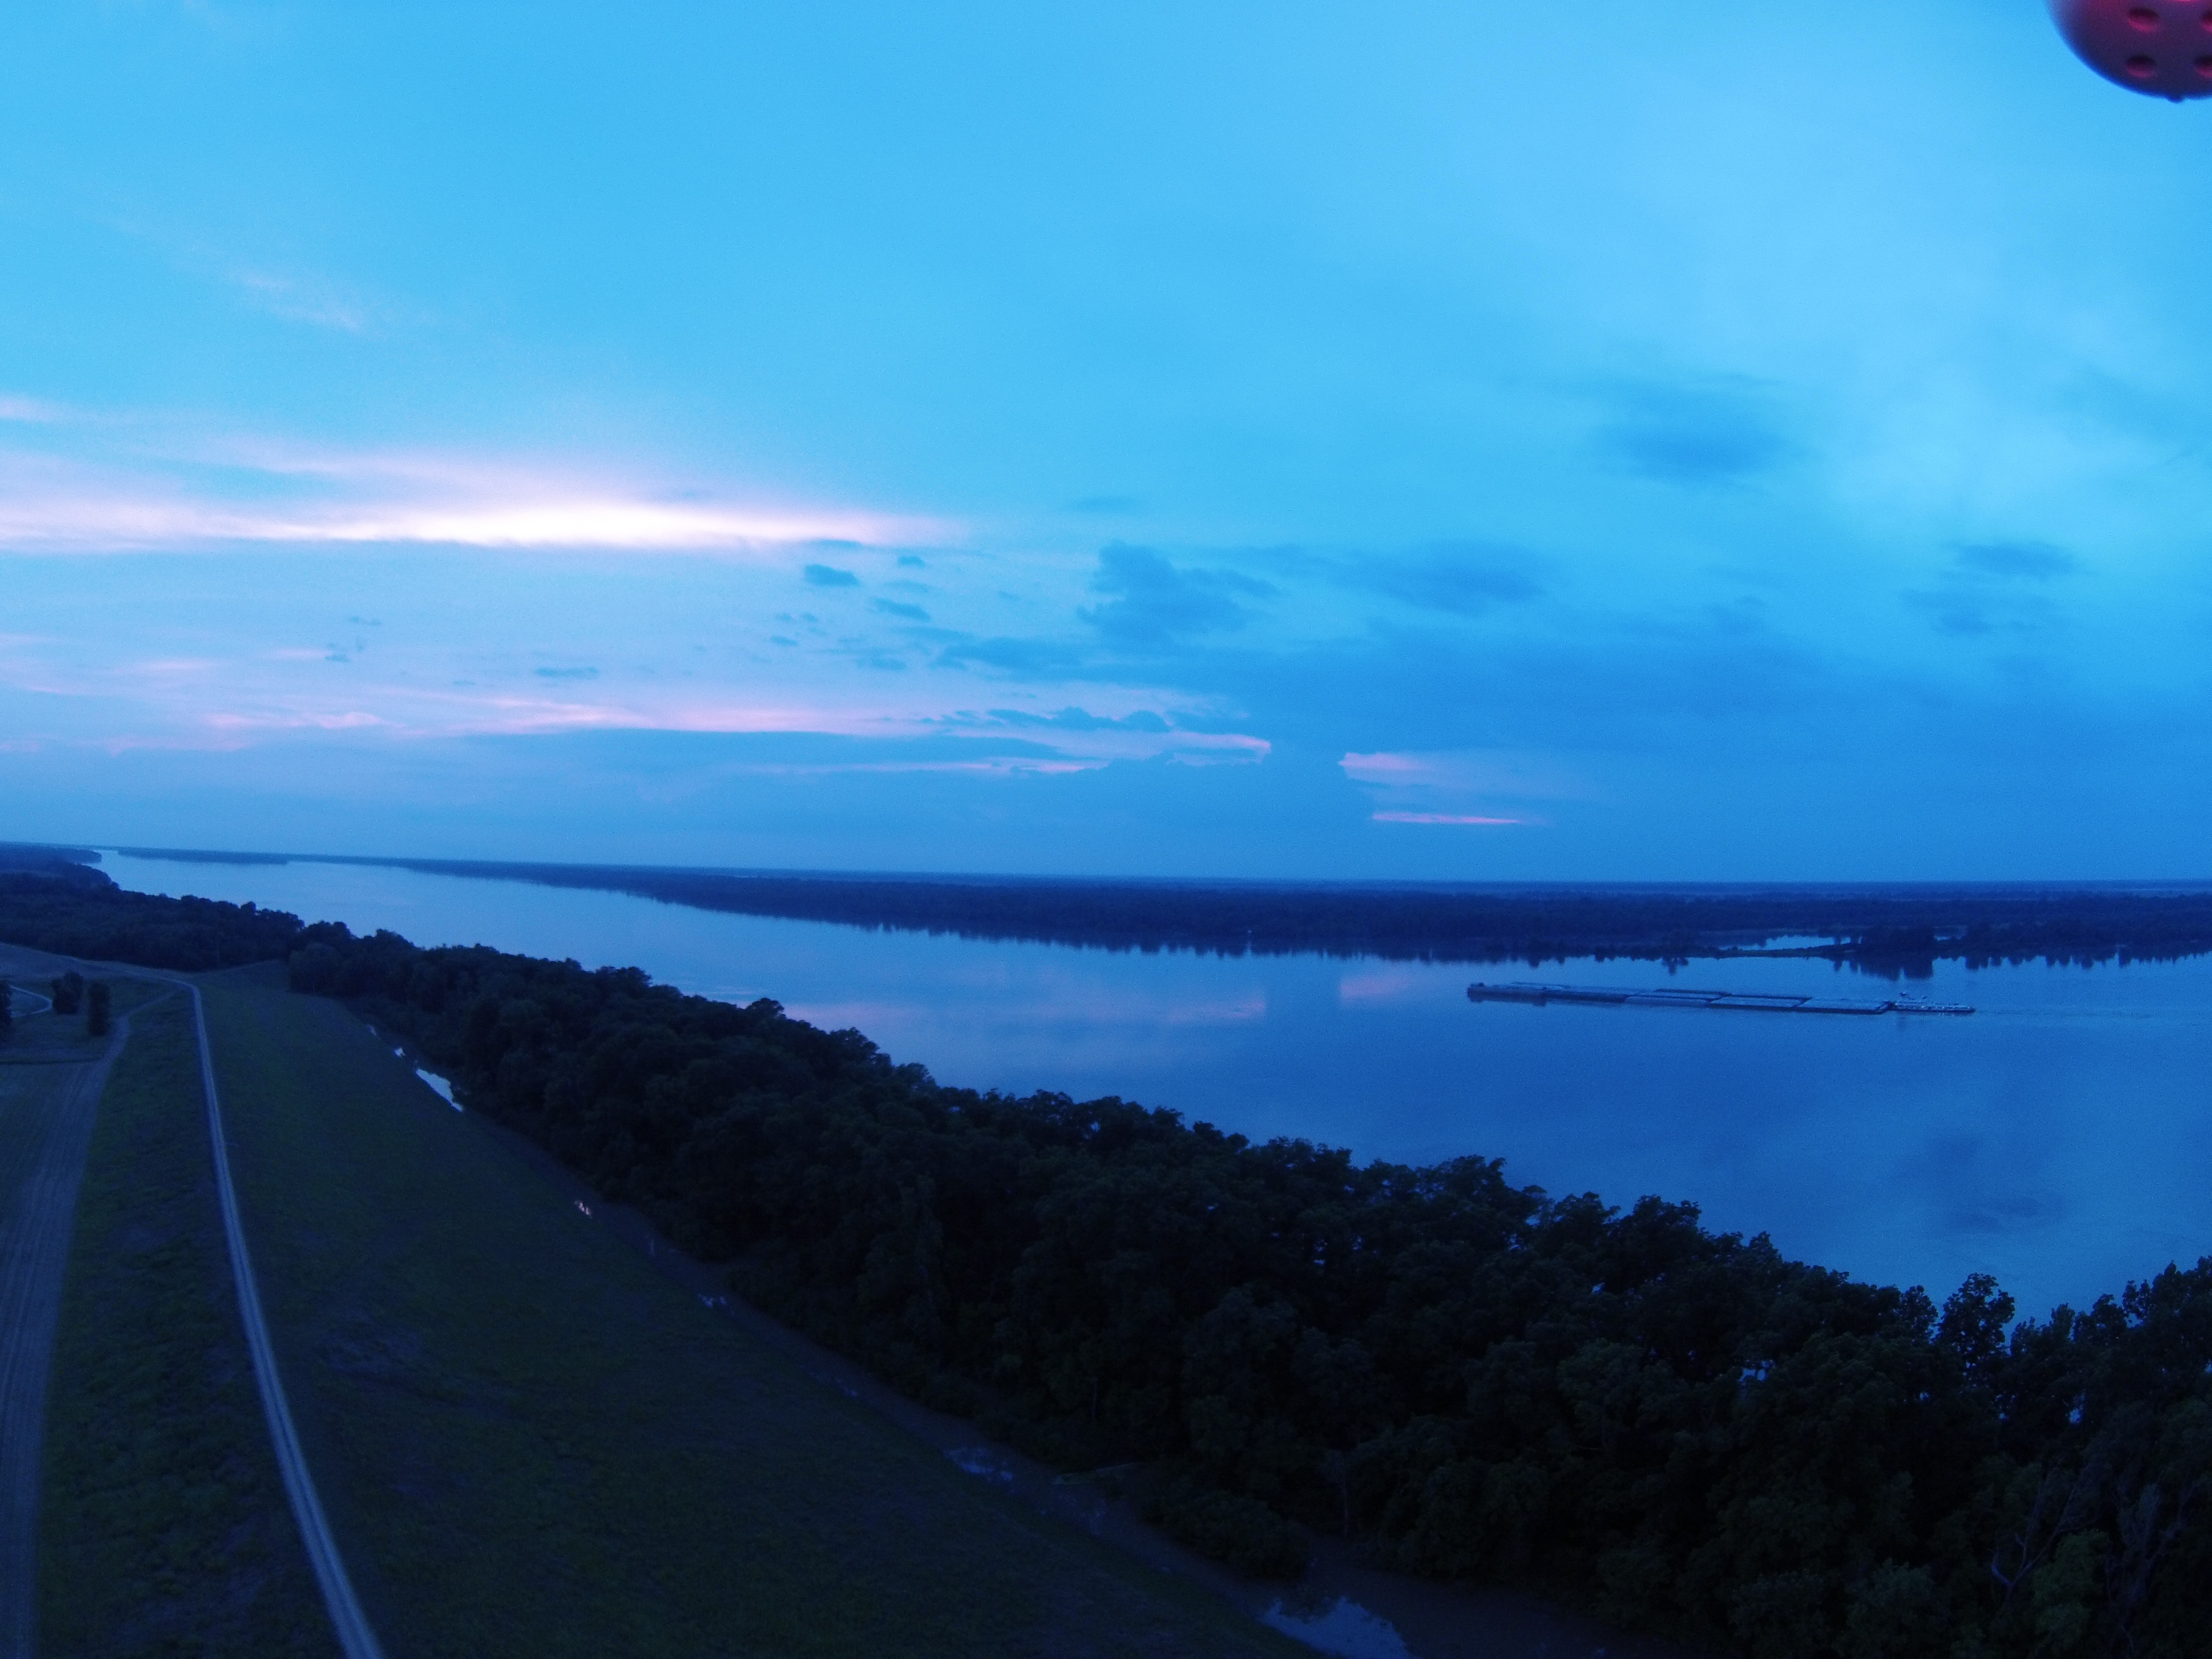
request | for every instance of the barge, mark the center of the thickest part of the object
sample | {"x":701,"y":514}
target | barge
{"x":1769,"y":1002}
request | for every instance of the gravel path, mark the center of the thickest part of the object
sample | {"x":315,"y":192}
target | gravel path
{"x":354,"y":1636}
{"x":49,"y":1112}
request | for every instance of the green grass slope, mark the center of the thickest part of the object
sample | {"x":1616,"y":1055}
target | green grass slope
{"x":163,"y":1525}
{"x":531,"y":1444}
{"x":49,"y":1039}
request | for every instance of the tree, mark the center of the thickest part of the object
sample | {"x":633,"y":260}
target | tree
{"x":69,"y":992}
{"x":7,"y":1010}
{"x":96,"y":1011}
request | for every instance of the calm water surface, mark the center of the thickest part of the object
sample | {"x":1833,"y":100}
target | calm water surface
{"x":2061,"y":1138}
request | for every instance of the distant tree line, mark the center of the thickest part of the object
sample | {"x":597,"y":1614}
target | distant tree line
{"x":1889,"y":930}
{"x":39,"y":859}
{"x":1681,"y":1431}
{"x":72,"y":910}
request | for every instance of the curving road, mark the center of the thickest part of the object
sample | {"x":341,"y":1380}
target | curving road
{"x":356,"y":1637}
{"x":44,"y":1002}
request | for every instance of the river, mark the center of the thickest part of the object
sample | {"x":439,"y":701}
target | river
{"x":2059,"y":1139}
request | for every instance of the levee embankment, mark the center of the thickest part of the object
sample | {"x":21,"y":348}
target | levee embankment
{"x":532,"y":1443}
{"x":162,"y":1523}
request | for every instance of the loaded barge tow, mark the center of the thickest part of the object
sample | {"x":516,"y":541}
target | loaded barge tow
{"x":1754,"y":1001}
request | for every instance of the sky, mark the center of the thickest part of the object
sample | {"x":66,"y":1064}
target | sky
{"x":1399,"y":441}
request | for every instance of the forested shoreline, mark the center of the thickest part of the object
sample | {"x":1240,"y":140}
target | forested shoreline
{"x":62,"y":905}
{"x":1883,"y":929}
{"x":1681,"y":1431}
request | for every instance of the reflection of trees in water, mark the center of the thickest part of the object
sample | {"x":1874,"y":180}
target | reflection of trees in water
{"x":1893,"y":932}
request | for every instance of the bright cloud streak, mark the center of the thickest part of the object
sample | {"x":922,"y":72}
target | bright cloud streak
{"x":84,"y":523}
{"x":1512,"y":773}
{"x":147,"y":488}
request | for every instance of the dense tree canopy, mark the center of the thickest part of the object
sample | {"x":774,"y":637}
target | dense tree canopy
{"x":1681,"y":1430}
{"x":74,"y":911}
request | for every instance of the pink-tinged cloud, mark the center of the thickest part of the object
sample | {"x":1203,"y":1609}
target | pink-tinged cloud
{"x":1513,"y":774}
{"x":30,"y":411}
{"x":261,"y":695}
{"x":150,"y":488}
{"x":1385,"y":767}
{"x":352,"y":720}
{"x":86,"y":523}
{"x":1441,"y":817}
{"x":1003,"y":766}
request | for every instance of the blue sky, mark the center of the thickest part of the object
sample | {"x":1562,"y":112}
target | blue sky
{"x":1399,"y":440}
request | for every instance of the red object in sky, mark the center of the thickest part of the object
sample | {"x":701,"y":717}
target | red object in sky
{"x":2159,"y":47}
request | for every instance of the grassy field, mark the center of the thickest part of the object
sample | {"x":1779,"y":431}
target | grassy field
{"x":49,"y":1039}
{"x":164,"y":1528}
{"x":531,"y":1444}
{"x":47,"y":1113}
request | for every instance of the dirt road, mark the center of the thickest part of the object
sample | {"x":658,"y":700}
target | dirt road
{"x":355,"y":1635}
{"x":46,"y":1114}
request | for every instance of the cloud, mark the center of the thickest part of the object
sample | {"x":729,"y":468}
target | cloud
{"x":1459,"y":578}
{"x":1441,"y":817}
{"x":118,"y":523}
{"x":350,"y":720}
{"x":2035,"y":562}
{"x":239,"y":687}
{"x":907,"y":612}
{"x":1499,"y":772}
{"x":214,"y":494}
{"x":1020,"y":657}
{"x":1475,"y":788}
{"x":109,"y":482}
{"x":983,"y":765}
{"x":1990,"y":588}
{"x":1715,"y":433}
{"x":828,"y":575}
{"x":293,"y":294}
{"x":1081,"y":719}
{"x":1141,"y":735}
{"x":1152,"y":602}
{"x":30,"y":411}
{"x":301,"y":300}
